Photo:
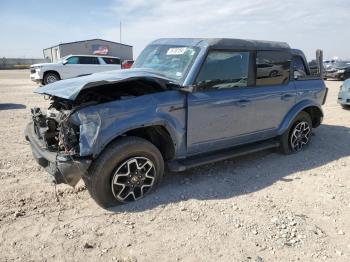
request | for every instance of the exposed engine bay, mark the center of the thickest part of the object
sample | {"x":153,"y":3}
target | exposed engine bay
{"x":54,"y":128}
{"x":55,"y":131}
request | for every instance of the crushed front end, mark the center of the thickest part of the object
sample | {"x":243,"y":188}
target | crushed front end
{"x":54,"y":140}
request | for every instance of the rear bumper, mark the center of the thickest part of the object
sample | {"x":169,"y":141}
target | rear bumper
{"x":64,"y":169}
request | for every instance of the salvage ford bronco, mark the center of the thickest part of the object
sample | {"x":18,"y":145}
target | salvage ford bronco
{"x":184,"y":103}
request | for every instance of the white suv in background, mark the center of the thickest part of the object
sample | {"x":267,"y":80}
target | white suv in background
{"x":72,"y":66}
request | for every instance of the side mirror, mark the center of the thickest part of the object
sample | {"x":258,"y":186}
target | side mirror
{"x":64,"y":62}
{"x":187,"y":89}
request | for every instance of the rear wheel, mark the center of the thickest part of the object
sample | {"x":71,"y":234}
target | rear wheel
{"x":298,"y":136}
{"x":50,"y":77}
{"x":125,"y":172}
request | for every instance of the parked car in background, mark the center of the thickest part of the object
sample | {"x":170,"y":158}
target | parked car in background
{"x":339,"y":71}
{"x":127,"y":64}
{"x":265,"y":69}
{"x":184,"y":103}
{"x":344,"y":94}
{"x":72,"y":66}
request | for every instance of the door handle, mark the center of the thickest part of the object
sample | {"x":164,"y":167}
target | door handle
{"x":243,"y":102}
{"x":287,"y":97}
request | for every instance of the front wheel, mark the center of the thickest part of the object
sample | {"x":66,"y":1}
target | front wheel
{"x":50,"y":77}
{"x":126,"y":171}
{"x":298,"y":136}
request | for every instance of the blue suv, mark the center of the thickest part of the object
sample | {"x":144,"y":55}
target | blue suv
{"x":184,"y":103}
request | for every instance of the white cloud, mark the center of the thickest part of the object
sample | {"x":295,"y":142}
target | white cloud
{"x":306,"y":25}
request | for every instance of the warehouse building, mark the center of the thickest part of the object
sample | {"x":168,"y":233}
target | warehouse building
{"x":89,"y":47}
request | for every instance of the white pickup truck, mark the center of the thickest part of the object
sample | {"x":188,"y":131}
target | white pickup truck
{"x":72,"y":66}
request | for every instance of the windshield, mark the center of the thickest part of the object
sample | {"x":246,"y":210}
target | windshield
{"x":170,"y":60}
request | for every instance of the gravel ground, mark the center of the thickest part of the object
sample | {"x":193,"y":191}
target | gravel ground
{"x":261,"y":207}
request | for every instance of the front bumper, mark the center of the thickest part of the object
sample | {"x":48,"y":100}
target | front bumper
{"x":64,"y":169}
{"x":344,"y":97}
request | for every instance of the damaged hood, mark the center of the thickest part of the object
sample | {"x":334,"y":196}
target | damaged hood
{"x":70,"y":88}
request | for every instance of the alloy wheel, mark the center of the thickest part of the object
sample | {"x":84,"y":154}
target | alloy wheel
{"x":300,"y":136}
{"x":51,"y":78}
{"x":133,"y":179}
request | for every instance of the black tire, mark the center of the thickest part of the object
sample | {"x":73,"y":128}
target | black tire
{"x":115,"y":157}
{"x":50,"y":77}
{"x":286,"y":146}
{"x":347,"y":107}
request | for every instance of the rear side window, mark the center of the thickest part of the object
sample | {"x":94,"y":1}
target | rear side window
{"x":87,"y":60}
{"x":299,"y":67}
{"x":113,"y":61}
{"x":272,"y":68}
{"x":223,"y":69}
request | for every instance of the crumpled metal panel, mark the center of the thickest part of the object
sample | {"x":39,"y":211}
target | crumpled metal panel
{"x":70,"y":88}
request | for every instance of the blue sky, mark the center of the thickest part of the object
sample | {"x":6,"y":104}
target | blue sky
{"x":28,"y":26}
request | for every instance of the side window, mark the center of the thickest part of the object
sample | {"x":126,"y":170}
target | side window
{"x":110,"y":60}
{"x":299,"y":69}
{"x":272,"y":68}
{"x":223,"y":69}
{"x":88,"y":60}
{"x":73,"y":60}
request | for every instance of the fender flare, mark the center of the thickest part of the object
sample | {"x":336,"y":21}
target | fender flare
{"x":301,"y":106}
{"x":169,"y":127}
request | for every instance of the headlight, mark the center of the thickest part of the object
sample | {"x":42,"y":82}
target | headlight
{"x":37,"y":68}
{"x":341,"y":71}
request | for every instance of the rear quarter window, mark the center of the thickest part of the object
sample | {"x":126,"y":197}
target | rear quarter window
{"x":272,"y":68}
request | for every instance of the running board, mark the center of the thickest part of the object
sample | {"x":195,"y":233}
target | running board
{"x":182,"y":165}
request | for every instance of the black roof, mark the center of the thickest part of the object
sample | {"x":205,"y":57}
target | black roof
{"x":222,"y":43}
{"x":82,"y":41}
{"x":226,"y":43}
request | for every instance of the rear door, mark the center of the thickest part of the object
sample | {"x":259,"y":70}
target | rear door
{"x":274,"y":94}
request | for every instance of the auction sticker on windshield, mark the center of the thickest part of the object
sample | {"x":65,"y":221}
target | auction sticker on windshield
{"x":176,"y":51}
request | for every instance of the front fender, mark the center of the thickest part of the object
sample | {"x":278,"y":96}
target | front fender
{"x":106,"y":136}
{"x":288,"y":120}
{"x":101,"y":124}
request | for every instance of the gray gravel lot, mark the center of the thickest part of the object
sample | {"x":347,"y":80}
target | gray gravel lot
{"x":261,"y":207}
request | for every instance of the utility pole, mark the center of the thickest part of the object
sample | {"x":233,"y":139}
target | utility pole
{"x":120,"y":32}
